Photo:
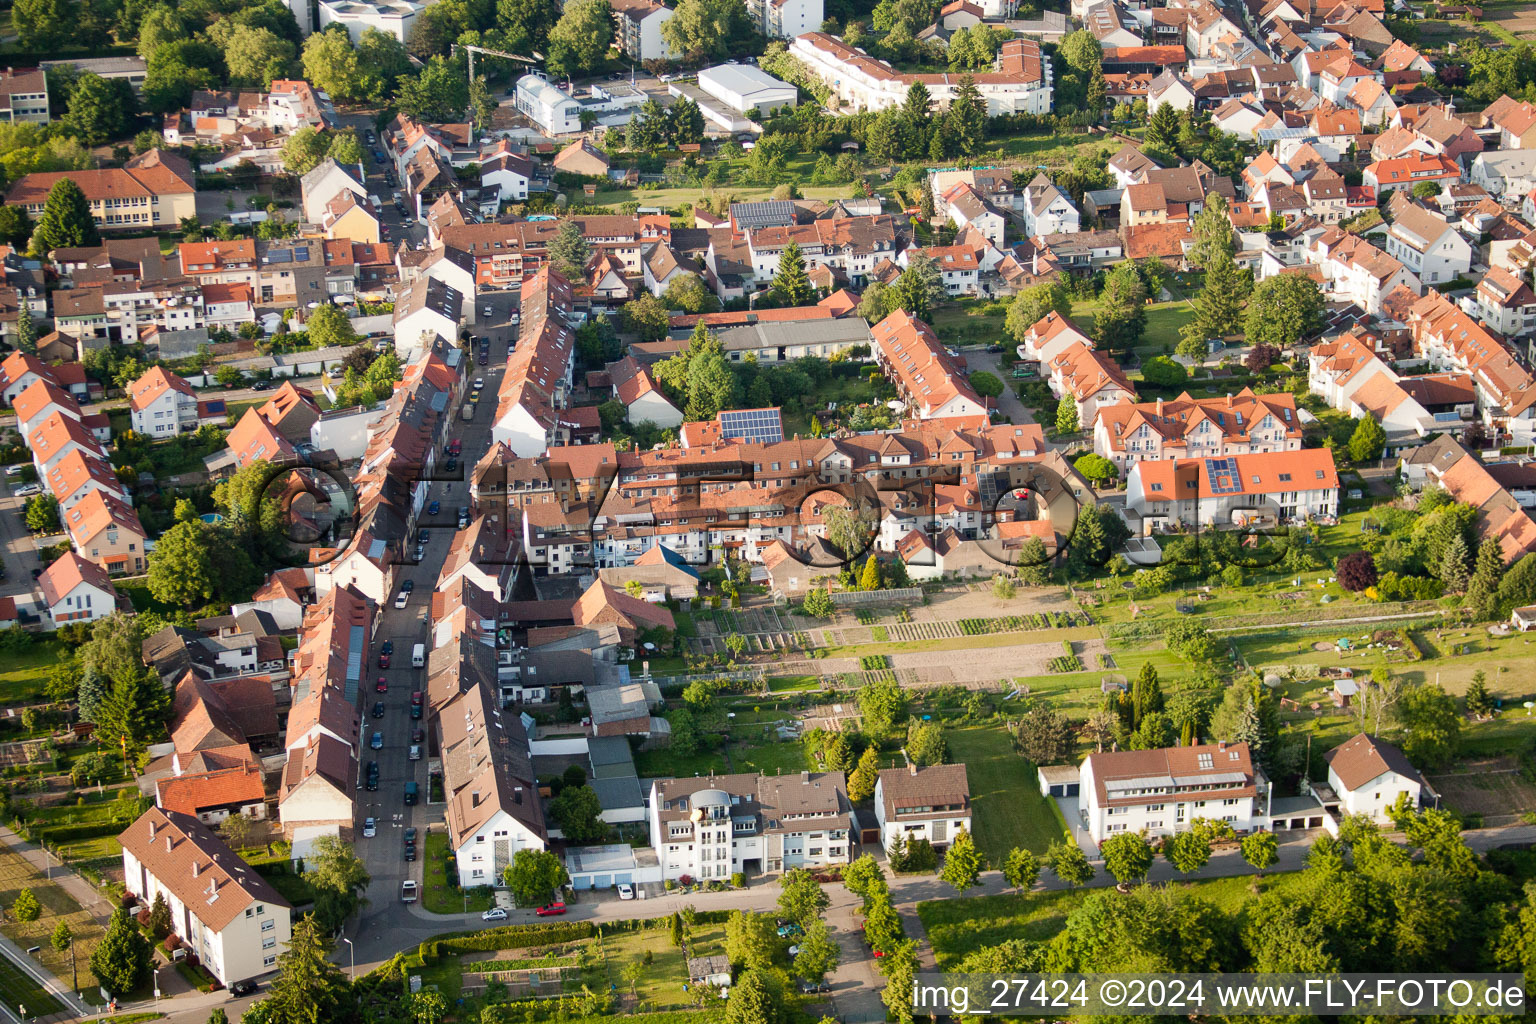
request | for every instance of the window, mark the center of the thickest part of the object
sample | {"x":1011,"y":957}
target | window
{"x":267,"y":926}
{"x":268,"y":961}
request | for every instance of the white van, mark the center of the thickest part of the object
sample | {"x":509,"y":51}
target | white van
{"x":419,"y":656}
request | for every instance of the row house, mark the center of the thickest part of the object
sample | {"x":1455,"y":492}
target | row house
{"x":1426,"y":243}
{"x":1340,"y":366}
{"x":1185,"y":427}
{"x":1408,"y":171}
{"x":1020,"y":82}
{"x":1238,"y":490}
{"x":535,"y":389}
{"x":1505,"y":302}
{"x":849,"y":246}
{"x":931,"y":381}
{"x":1092,"y":378}
{"x":1356,"y":271}
{"x":1451,"y":339}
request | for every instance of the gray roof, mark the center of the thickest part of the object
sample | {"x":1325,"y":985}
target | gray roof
{"x":618,"y":794}
{"x":745,"y":79}
{"x":611,"y":753}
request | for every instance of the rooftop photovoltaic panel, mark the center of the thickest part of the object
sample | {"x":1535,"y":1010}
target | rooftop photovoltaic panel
{"x":279,"y":255}
{"x":1223,"y":476}
{"x":761,"y":425}
{"x":301,"y":253}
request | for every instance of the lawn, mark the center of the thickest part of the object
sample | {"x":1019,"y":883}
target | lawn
{"x":790,"y":684}
{"x":969,"y":322}
{"x":16,"y":874}
{"x":956,"y":927}
{"x":23,"y":673}
{"x":661,"y":987}
{"x":1008,"y":809}
{"x":1164,"y":320}
{"x":437,"y":897}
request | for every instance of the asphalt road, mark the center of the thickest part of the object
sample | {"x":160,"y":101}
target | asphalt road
{"x":377,"y":929}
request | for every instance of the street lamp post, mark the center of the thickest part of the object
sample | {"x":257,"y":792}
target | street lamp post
{"x":351,"y":959}
{"x":157,"y":988}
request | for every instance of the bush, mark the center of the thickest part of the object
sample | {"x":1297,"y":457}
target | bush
{"x":739,"y":879}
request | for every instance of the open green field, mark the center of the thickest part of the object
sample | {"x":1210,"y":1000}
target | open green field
{"x":1008,"y":810}
{"x":23,"y":673}
{"x":956,"y":927}
{"x":1164,"y":320}
{"x":16,"y":874}
{"x":662,"y":985}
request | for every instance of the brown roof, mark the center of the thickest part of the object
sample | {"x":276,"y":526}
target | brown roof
{"x":67,"y":573}
{"x":1358,"y":760}
{"x":225,"y":787}
{"x":186,"y":858}
{"x":1228,"y":772}
{"x":939,"y":785}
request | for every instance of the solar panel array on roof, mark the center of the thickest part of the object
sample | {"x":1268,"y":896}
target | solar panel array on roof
{"x":301,"y":253}
{"x":764,"y":426}
{"x":769,"y":213}
{"x":1223,"y":476}
{"x":357,"y":646}
{"x":990,"y":487}
{"x":280,"y":256}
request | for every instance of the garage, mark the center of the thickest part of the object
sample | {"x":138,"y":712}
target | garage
{"x":602,"y":867}
{"x":1059,"y":780}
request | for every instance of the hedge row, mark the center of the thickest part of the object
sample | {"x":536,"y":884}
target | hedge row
{"x":514,"y":936}
{"x":51,"y":834}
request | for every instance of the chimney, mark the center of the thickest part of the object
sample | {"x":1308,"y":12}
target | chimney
{"x":170,"y":844}
{"x":194,"y":867}
{"x":151,"y":831}
{"x":912,"y":768}
{"x":805,"y":778}
{"x":1159,"y":405}
{"x":1229,"y":399}
{"x":474,"y":798}
{"x":1221,"y":744}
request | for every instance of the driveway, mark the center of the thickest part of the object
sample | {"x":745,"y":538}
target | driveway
{"x":1008,"y":402}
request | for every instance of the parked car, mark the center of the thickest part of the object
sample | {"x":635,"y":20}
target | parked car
{"x":408,"y":585}
{"x":262,"y":385}
{"x":418,"y":735}
{"x":494,"y":914}
{"x":27,"y":490}
{"x":626,"y":891}
{"x":487,"y":311}
{"x":484,"y":361}
{"x":410,"y":835}
{"x":479,"y":383}
{"x":376,"y":741}
{"x":242,"y":988}
{"x":372,"y":785}
{"x":410,"y":852}
{"x":378,"y":709}
{"x":416,"y":712}
{"x":553,"y":910}
{"x":415,"y":754}
{"x":434,"y":508}
{"x":408,"y":889}
{"x":370,"y":828}
{"x":383,"y":660}
{"x":402,"y":599}
{"x":450,"y":465}
{"x":382,"y":686}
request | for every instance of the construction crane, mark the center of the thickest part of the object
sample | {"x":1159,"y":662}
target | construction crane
{"x":537,"y":57}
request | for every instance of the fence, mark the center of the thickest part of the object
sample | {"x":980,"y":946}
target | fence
{"x":854,"y":598}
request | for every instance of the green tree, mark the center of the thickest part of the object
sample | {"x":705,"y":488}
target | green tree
{"x":1163,"y":129}
{"x":160,"y":923}
{"x":120,"y":960}
{"x":236,"y":831}
{"x":966,"y":118}
{"x":569,"y":250}
{"x":861,"y":784}
{"x":1095,"y":468}
{"x":44,"y":25}
{"x":1483,"y":587}
{"x":195,"y":562}
{"x":646,"y":316}
{"x":525,"y":24}
{"x":920,"y":285}
{"x":534,"y":876}
{"x":576,"y":810}
{"x":882,"y":703}
{"x":1212,"y":231}
{"x":1021,"y":869}
{"x":750,"y":940}
{"x":916,"y":125}
{"x":329,"y":327}
{"x":42,"y":513}
{"x":963,"y":863}
{"x":62,"y":938}
{"x":581,"y":37}
{"x":66,"y":220}
{"x":25,"y":907}
{"x":1368,"y":441}
{"x":338,"y":878}
{"x":255,"y":56}
{"x":331,"y":64}
{"x":304,"y":150}
{"x":15,"y":227}
{"x":1033,"y":304}
{"x":309,"y":987}
{"x":1066,"y":415}
{"x":440,"y":93}
{"x":925,"y":743}
{"x":865,"y":880}
{"x":1431,"y":725}
{"x":1187,"y":851}
{"x":818,"y":603}
{"x":882,"y":924}
{"x":699,"y":30}
{"x":985,"y":384}
{"x":1069,"y":863}
{"x":869,"y":579}
{"x":1121,"y":317}
{"x":1284,"y":309}
{"x":1261,"y":850}
{"x":801,"y":897}
{"x":345,"y":148}
{"x":1479,"y":702}
{"x":900,"y":969}
{"x":790,"y":282}
{"x":98,"y":109}
{"x":818,"y":953}
{"x":1127,"y":856}
{"x":755,"y":998}
{"x":1452,"y":567}
{"x":1218,"y":306}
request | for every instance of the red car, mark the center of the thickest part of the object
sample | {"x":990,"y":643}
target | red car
{"x":382,"y":686}
{"x":383,"y":661}
{"x":553,"y":910}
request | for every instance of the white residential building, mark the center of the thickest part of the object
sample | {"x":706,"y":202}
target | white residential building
{"x":1130,"y":432}
{"x":161,"y":404}
{"x":711,"y":828}
{"x":1506,"y":173}
{"x":221,"y":909}
{"x":1370,"y":775}
{"x":322,"y":185}
{"x":392,"y":17}
{"x":1161,"y":792}
{"x":1426,"y":243}
{"x":75,"y":590}
{"x":429,"y":309}
{"x":1234,"y":490}
{"x":786,"y":19}
{"x":553,"y":109}
{"x":932,"y":803}
{"x":1047,"y":210}
{"x":1020,"y":83}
